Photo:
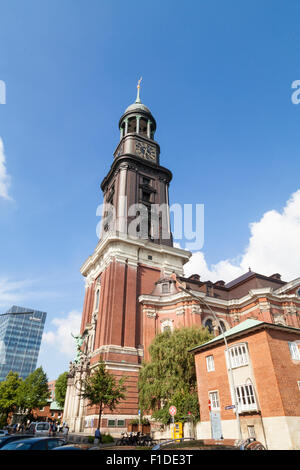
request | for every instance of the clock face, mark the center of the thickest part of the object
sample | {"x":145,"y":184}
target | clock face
{"x":146,"y":151}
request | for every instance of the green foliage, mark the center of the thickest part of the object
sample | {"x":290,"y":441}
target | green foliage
{"x":33,"y":391}
{"x":170,"y":376}
{"x":91,"y":439}
{"x":144,"y":421}
{"x":107,"y":438}
{"x":61,"y":389}
{"x":102,"y":389}
{"x":9,"y":390}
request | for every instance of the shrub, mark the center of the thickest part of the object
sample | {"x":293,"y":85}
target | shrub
{"x":107,"y":438}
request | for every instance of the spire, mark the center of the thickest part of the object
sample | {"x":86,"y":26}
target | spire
{"x":138,"y":99}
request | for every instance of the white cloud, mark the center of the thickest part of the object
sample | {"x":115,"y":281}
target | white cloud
{"x":14,"y":292}
{"x":60,"y":338}
{"x":4,"y":177}
{"x":273,"y":248}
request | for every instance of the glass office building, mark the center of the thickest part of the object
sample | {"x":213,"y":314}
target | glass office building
{"x":21,"y":332}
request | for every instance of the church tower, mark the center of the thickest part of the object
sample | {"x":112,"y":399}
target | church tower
{"x":137,"y":186}
{"x":134,"y":252}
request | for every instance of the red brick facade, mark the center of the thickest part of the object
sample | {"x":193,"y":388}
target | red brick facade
{"x":274,"y":375}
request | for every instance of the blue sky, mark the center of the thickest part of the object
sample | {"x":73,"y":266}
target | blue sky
{"x":217,"y":77}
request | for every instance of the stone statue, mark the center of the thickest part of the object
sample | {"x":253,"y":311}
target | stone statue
{"x":79,"y":342}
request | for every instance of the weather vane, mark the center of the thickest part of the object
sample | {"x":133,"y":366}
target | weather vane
{"x":138,"y":100}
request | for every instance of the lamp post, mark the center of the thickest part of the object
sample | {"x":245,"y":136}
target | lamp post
{"x":199,"y":299}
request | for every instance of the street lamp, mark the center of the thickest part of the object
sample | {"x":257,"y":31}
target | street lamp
{"x":199,"y":299}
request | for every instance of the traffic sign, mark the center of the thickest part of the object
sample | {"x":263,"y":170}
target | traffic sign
{"x":229,"y":407}
{"x":172,"y":410}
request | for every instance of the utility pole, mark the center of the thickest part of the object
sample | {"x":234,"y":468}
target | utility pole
{"x":199,"y":299}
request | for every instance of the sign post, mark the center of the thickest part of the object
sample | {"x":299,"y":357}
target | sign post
{"x":140,"y":420}
{"x":173,"y":411}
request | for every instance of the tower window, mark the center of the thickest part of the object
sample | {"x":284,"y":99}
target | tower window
{"x":165,"y":288}
{"x":146,"y":196}
{"x":146,"y":181}
{"x":132,"y":125}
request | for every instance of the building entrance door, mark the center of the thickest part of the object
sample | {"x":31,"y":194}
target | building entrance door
{"x":215,"y":421}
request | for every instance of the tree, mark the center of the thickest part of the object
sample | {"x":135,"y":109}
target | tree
{"x":102,"y":389}
{"x":9,"y":390}
{"x":34,"y":391}
{"x":61,"y":389}
{"x":169,"y":378}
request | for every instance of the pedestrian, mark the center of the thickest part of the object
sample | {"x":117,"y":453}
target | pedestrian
{"x":98,"y":437}
{"x":65,"y":431}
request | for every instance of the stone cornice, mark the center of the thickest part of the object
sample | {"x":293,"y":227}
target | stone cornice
{"x":254,"y":294}
{"x":288,"y":286}
{"x":113,"y":348}
{"x":122,"y":248}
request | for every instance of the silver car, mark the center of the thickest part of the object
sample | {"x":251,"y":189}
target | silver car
{"x":39,"y":429}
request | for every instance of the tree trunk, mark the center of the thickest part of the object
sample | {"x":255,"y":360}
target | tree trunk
{"x":99,"y":417}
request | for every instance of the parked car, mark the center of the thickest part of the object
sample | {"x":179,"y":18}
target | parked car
{"x":210,"y":444}
{"x":12,"y":437}
{"x":39,"y":428}
{"x":67,"y":447}
{"x":35,"y":443}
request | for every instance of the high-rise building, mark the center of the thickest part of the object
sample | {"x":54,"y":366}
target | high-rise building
{"x":21,"y":332}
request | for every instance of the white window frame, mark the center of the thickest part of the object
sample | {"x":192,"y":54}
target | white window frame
{"x":298,"y":382}
{"x":214,"y":399}
{"x":210,"y":363}
{"x":294,"y":350}
{"x":245,"y":395}
{"x":238,"y":354}
{"x":251,"y":430}
{"x":168,"y":324}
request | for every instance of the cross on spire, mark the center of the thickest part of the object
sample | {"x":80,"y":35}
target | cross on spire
{"x":138,"y":100}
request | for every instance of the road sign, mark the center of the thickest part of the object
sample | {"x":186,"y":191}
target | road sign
{"x":229,"y":407}
{"x":139,"y":412}
{"x":172,"y":410}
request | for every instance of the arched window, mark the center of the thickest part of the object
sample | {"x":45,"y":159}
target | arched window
{"x":167,"y":325}
{"x":221,"y":327}
{"x":209,"y":325}
{"x":97,"y":299}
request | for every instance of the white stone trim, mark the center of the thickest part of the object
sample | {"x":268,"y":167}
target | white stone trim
{"x":122,"y":248}
{"x":289,"y":286}
{"x":114,"y":348}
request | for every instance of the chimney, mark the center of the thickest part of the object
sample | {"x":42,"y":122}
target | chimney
{"x":276,"y":276}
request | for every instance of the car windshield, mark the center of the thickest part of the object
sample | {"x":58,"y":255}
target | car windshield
{"x":17,"y":445}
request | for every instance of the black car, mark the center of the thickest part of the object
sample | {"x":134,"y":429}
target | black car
{"x":8,"y":438}
{"x":35,"y":443}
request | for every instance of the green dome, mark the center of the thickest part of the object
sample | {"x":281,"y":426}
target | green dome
{"x":137,"y":106}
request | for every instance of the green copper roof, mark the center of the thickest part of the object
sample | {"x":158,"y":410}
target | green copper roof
{"x":55,"y":406}
{"x":245,"y":325}
{"x":137,"y":106}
